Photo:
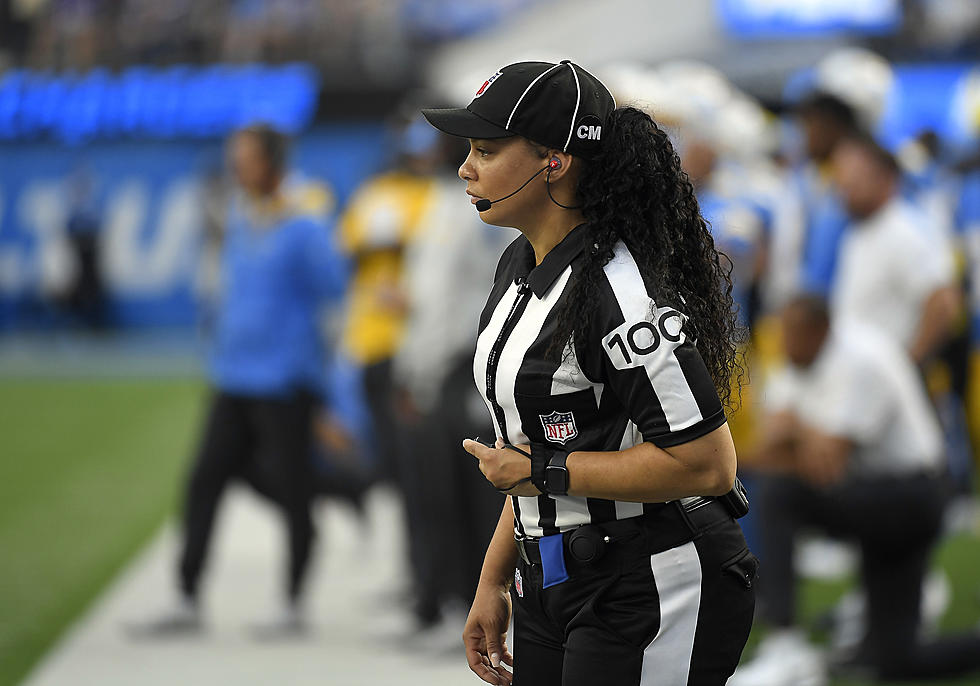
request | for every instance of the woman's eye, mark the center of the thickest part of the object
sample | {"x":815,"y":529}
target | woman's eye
{"x":483,"y":152}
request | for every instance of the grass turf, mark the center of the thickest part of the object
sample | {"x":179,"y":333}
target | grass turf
{"x":958,"y":555}
{"x":88,"y":470}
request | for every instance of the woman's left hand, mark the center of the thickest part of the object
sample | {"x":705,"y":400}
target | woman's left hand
{"x":506,"y":469}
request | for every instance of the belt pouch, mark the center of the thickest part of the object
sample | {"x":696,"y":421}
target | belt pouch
{"x":552,"y":560}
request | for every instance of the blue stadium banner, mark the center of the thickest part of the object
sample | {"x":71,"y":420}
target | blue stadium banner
{"x":148,"y":102}
{"x":151,"y":202}
{"x":792,"y":18}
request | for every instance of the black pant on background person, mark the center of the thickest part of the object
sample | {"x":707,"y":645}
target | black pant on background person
{"x":457,"y":508}
{"x":450,"y":507}
{"x":379,"y":395}
{"x":896,"y":521}
{"x":473,"y":501}
{"x":86,"y":298}
{"x":270,"y":436}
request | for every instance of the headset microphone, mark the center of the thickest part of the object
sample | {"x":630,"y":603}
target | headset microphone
{"x":482,"y":205}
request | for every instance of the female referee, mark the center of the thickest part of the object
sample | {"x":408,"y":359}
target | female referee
{"x":605,"y":351}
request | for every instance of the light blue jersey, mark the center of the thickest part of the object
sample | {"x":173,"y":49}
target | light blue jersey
{"x":278,"y":274}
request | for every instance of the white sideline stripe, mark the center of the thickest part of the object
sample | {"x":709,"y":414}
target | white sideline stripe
{"x":355,"y":640}
{"x":677,"y":573}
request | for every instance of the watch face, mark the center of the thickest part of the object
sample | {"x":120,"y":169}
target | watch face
{"x":556,"y":479}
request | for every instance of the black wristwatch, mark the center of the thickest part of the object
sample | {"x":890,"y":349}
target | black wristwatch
{"x":556,"y":474}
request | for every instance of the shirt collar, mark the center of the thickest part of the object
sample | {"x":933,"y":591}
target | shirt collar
{"x":541,"y":277}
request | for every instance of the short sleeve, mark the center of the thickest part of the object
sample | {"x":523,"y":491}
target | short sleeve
{"x":649,"y":363}
{"x":928,"y":261}
{"x":780,"y":391}
{"x":858,"y":406}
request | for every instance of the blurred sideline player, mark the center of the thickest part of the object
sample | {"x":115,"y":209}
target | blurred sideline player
{"x":895,"y":267}
{"x":896,"y":270}
{"x":824,"y":120}
{"x":380,"y":220}
{"x":854,"y":449}
{"x":446,"y":268}
{"x":849,"y":91}
{"x":267,"y":370}
{"x":386,"y":215}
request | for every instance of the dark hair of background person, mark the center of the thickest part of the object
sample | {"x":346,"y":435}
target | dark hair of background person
{"x":882,"y":158}
{"x":831,"y":108}
{"x":814,"y":307}
{"x":635,"y":190}
{"x":274,"y":144}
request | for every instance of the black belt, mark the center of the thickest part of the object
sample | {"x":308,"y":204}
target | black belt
{"x":669,"y":526}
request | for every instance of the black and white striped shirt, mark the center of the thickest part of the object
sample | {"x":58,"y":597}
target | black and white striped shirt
{"x":636,"y":378}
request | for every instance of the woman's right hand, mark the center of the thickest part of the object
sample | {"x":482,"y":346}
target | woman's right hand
{"x":485,"y":635}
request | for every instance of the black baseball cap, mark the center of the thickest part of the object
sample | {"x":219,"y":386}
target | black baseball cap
{"x":559,"y":105}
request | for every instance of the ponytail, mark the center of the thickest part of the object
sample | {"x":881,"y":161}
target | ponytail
{"x":634,"y":190}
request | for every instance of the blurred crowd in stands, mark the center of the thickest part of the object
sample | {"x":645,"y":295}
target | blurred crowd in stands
{"x":349,"y":40}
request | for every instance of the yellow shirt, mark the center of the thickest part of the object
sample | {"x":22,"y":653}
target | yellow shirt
{"x":382,"y":217}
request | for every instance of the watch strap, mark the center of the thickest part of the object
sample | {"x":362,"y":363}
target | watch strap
{"x":556,"y":474}
{"x":540,"y":457}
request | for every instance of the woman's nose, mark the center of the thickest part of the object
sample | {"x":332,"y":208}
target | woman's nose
{"x":465,"y":170}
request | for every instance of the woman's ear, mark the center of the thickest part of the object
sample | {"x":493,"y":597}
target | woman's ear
{"x":559,"y":164}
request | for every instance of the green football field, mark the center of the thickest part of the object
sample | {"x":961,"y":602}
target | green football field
{"x":88,"y":472}
{"x":91,"y":468}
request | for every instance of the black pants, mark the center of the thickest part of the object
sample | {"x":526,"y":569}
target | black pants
{"x":379,"y":395}
{"x":454,"y":509}
{"x":86,"y":298}
{"x":674,"y":618}
{"x":265,"y":440}
{"x":474,"y":502}
{"x":896,"y":522}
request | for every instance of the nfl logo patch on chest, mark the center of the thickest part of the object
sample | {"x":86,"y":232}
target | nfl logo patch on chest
{"x":559,"y":427}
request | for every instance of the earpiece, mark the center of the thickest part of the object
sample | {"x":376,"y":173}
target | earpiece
{"x":554,"y":164}
{"x":482,"y":205}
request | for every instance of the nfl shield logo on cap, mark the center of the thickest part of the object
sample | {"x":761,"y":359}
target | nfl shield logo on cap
{"x":559,"y":427}
{"x":486,"y":84}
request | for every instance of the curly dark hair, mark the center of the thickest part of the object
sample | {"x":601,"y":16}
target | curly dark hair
{"x":636,"y":191}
